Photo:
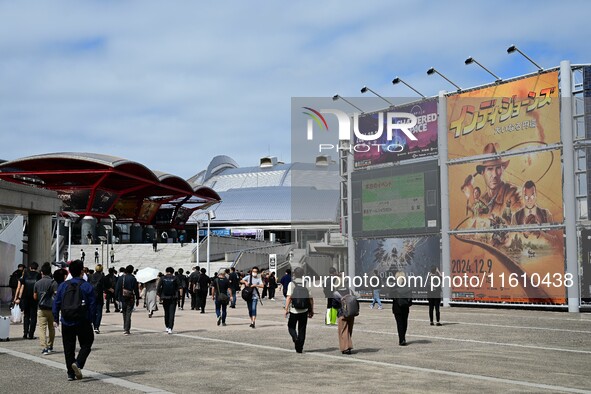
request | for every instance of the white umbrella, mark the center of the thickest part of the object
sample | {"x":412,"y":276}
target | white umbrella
{"x":147,"y":274}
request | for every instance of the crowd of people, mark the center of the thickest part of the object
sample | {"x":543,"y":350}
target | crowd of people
{"x":75,"y":297}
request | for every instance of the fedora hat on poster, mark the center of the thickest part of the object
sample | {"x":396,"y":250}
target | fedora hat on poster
{"x":491,"y":149}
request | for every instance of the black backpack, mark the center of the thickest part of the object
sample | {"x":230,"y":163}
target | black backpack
{"x":168,"y":287}
{"x":300,"y":298}
{"x":74,"y":306}
{"x":30,"y":281}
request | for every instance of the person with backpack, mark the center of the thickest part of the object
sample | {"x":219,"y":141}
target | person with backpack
{"x":168,"y":291}
{"x":401,"y":303}
{"x":24,"y":299}
{"x":128,"y":293}
{"x":76,"y":302}
{"x":348,"y":307}
{"x":100,"y":283}
{"x":44,"y":294}
{"x":250,"y":293}
{"x":219,"y":294}
{"x":299,"y":306}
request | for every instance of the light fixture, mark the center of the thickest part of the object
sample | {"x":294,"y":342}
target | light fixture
{"x":471,"y":60}
{"x":398,"y":80}
{"x":432,"y":71}
{"x":336,"y":97}
{"x":365,"y":89}
{"x":514,"y":48}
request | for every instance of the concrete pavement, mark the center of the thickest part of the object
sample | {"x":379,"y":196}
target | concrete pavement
{"x":484,"y":350}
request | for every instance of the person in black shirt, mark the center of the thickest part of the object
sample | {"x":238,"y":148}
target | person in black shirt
{"x":193,"y":278}
{"x":127,"y":292}
{"x":24,"y":298}
{"x":182,"y":279}
{"x":203,"y":282}
{"x":272,"y":286}
{"x":234,"y":285}
{"x":168,"y":291}
{"x":14,"y":279}
{"x":219,"y":293}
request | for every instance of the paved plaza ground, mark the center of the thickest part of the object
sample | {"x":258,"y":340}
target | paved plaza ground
{"x":476,"y":350}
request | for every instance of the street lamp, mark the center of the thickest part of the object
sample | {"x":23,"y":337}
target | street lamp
{"x":336,"y":97}
{"x":513,"y":48}
{"x":210,"y":217}
{"x":398,"y":80}
{"x":365,"y":89}
{"x":432,"y":71}
{"x":471,"y":60}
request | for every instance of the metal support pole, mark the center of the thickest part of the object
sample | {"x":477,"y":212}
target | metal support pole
{"x":443,"y":175}
{"x":350,"y":240}
{"x":568,"y":181}
{"x":57,"y":238}
{"x":197,"y":250}
{"x":70,"y":239}
{"x":208,"y":221}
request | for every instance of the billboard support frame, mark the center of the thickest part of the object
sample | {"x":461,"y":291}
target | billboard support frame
{"x":566,"y":133}
{"x":444,"y":187}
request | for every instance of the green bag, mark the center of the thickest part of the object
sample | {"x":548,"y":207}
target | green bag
{"x":331,"y":316}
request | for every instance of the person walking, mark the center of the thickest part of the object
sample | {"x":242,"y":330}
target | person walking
{"x":151,"y":296}
{"x":285,"y":279}
{"x":234,"y":285}
{"x":112,"y":254}
{"x":155,"y":244}
{"x":265,"y":278}
{"x":376,"y":292}
{"x":111,"y":281}
{"x":182,"y":279}
{"x":252,"y":282}
{"x":25,"y":300}
{"x":299,"y":306}
{"x":168,"y":291}
{"x":345,"y":323}
{"x":401,"y":303}
{"x":96,"y":256}
{"x":82,"y":255}
{"x":76,"y":302}
{"x":219,"y":294}
{"x":128,"y":294}
{"x":434,"y":294}
{"x":272,"y":285}
{"x":100,"y":284}
{"x":193,"y":280}
{"x":203,"y":289}
{"x":331,"y":313}
{"x":44,"y":294}
{"x":14,"y":280}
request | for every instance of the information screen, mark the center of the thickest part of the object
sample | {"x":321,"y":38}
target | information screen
{"x":395,"y":202}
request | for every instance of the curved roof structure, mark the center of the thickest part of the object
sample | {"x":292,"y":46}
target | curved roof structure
{"x":273,"y":192}
{"x":101,"y":185}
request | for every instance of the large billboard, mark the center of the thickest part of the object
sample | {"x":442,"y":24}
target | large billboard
{"x":413,"y":255}
{"x":503,"y":266}
{"x":518,"y":190}
{"x":382,"y":151}
{"x":512,"y":115}
{"x":400,"y":200}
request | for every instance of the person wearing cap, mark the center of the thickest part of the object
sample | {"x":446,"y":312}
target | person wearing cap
{"x":498,"y":193}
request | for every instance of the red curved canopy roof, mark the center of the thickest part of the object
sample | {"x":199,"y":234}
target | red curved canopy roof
{"x":101,"y":185}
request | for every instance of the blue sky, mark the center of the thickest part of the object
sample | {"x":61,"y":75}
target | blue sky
{"x":172,"y":84}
